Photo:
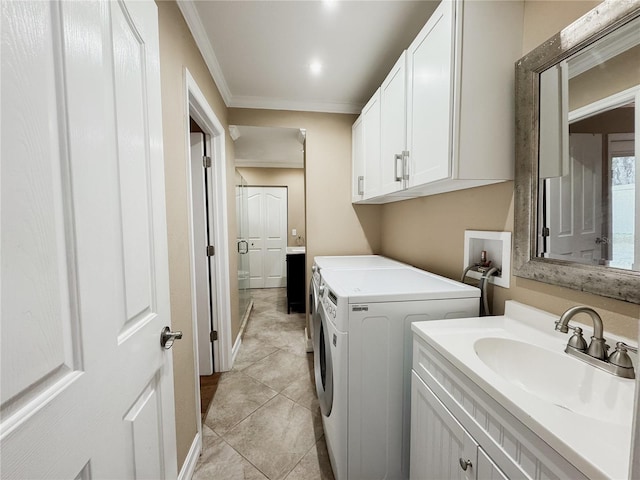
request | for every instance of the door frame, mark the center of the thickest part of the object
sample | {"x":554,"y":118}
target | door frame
{"x":197,"y":107}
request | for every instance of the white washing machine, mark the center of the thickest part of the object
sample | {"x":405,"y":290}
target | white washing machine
{"x":363,"y":346}
{"x":340,"y":262}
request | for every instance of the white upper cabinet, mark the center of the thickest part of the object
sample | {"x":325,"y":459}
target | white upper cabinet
{"x":357,"y":161}
{"x":458,"y":112}
{"x":371,"y":147}
{"x":393,"y":127}
{"x":429,"y":103}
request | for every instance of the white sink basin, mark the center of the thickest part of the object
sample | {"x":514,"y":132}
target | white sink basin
{"x":291,"y":250}
{"x":558,"y":379}
{"x":518,"y":358}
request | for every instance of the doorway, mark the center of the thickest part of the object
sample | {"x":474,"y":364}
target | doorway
{"x":216,"y":188}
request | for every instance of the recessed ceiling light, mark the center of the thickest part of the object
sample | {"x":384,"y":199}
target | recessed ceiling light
{"x":315,"y":67}
{"x":330,"y":4}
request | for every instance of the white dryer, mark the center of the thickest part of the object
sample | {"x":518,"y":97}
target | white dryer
{"x":340,"y":262}
{"x":363,"y":346}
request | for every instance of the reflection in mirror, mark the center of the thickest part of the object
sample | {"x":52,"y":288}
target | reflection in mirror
{"x":589,"y":178}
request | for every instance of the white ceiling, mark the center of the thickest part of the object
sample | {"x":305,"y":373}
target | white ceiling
{"x":259,"y":52}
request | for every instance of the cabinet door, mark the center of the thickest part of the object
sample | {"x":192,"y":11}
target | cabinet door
{"x":438,"y":442}
{"x":393,"y":126}
{"x":357,"y":161}
{"x":430,"y":98}
{"x":371,"y":146}
{"x":487,"y":470}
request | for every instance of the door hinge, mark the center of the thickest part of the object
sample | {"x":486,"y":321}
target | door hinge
{"x":211,"y":251}
{"x":206,"y":162}
{"x":213,"y":335}
{"x":545,"y":231}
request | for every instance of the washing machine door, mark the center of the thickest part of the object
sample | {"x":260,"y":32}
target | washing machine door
{"x":323,"y":366}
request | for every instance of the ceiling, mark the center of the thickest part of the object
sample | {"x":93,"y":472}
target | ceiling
{"x":260,"y":52}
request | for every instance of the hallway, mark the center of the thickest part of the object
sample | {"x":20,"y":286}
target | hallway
{"x":264,"y":421}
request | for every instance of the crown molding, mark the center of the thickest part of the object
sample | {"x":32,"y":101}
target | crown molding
{"x":191,"y":16}
{"x":239,"y":162}
{"x":265,"y":103}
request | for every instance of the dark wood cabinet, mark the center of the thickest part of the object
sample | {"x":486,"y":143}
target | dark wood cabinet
{"x":296,"y":282}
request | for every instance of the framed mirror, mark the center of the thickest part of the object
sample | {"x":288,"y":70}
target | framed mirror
{"x":577,"y":182}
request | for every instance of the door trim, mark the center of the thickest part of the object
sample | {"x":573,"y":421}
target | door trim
{"x":197,"y":107}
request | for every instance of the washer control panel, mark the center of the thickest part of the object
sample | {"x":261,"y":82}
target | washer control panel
{"x":330,"y":301}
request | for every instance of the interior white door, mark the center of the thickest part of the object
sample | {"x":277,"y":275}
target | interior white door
{"x":203,"y":276}
{"x":87,"y":390}
{"x":267,"y":236}
{"x":574,"y":208}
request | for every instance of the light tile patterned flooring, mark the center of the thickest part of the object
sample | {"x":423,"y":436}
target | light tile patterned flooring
{"x":264,"y":421}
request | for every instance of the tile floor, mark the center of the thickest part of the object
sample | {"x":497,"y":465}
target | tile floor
{"x":264,"y":421}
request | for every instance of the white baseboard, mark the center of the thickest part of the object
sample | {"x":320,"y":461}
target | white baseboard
{"x":189,"y":465}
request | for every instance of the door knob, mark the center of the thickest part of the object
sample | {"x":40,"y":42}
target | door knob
{"x":464,"y":464}
{"x":167,"y":337}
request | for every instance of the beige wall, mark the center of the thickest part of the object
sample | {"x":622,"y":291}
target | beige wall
{"x":177,"y":51}
{"x":429,"y":232}
{"x":293,"y":179}
{"x":334,"y":225}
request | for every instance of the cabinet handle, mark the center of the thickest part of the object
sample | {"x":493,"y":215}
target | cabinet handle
{"x":405,"y":165}
{"x":361,"y":185}
{"x":398,"y":156}
{"x":464,"y":464}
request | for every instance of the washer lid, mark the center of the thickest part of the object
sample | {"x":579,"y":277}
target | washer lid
{"x":355,"y":262}
{"x":394,"y":285}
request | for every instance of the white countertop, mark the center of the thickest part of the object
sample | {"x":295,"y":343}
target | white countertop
{"x":296,"y":250}
{"x":596,"y":447}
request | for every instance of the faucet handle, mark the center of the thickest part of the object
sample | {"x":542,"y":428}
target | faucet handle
{"x":623,"y":346}
{"x":577,"y":341}
{"x":620,"y":357}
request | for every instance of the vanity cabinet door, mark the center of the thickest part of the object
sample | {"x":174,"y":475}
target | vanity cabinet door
{"x":440,"y":446}
{"x":487,"y":470}
{"x":393,"y":126}
{"x":357,"y":156}
{"x":430,"y":98}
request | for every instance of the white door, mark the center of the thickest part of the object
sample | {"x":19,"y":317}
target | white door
{"x":267,"y":236}
{"x":429,"y":98}
{"x":393,"y":126}
{"x":86,"y":389}
{"x":574,"y":206}
{"x":204,"y":274}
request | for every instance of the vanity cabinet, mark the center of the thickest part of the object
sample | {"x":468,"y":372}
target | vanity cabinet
{"x":452,"y":419}
{"x":443,"y":447}
{"x":296,"y":282}
{"x":447,"y":106}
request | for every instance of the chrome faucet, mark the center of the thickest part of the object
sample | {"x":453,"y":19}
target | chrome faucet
{"x":618,"y":363}
{"x":598,"y":346}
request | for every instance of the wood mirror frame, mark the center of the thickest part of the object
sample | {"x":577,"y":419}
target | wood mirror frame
{"x":600,"y":280}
